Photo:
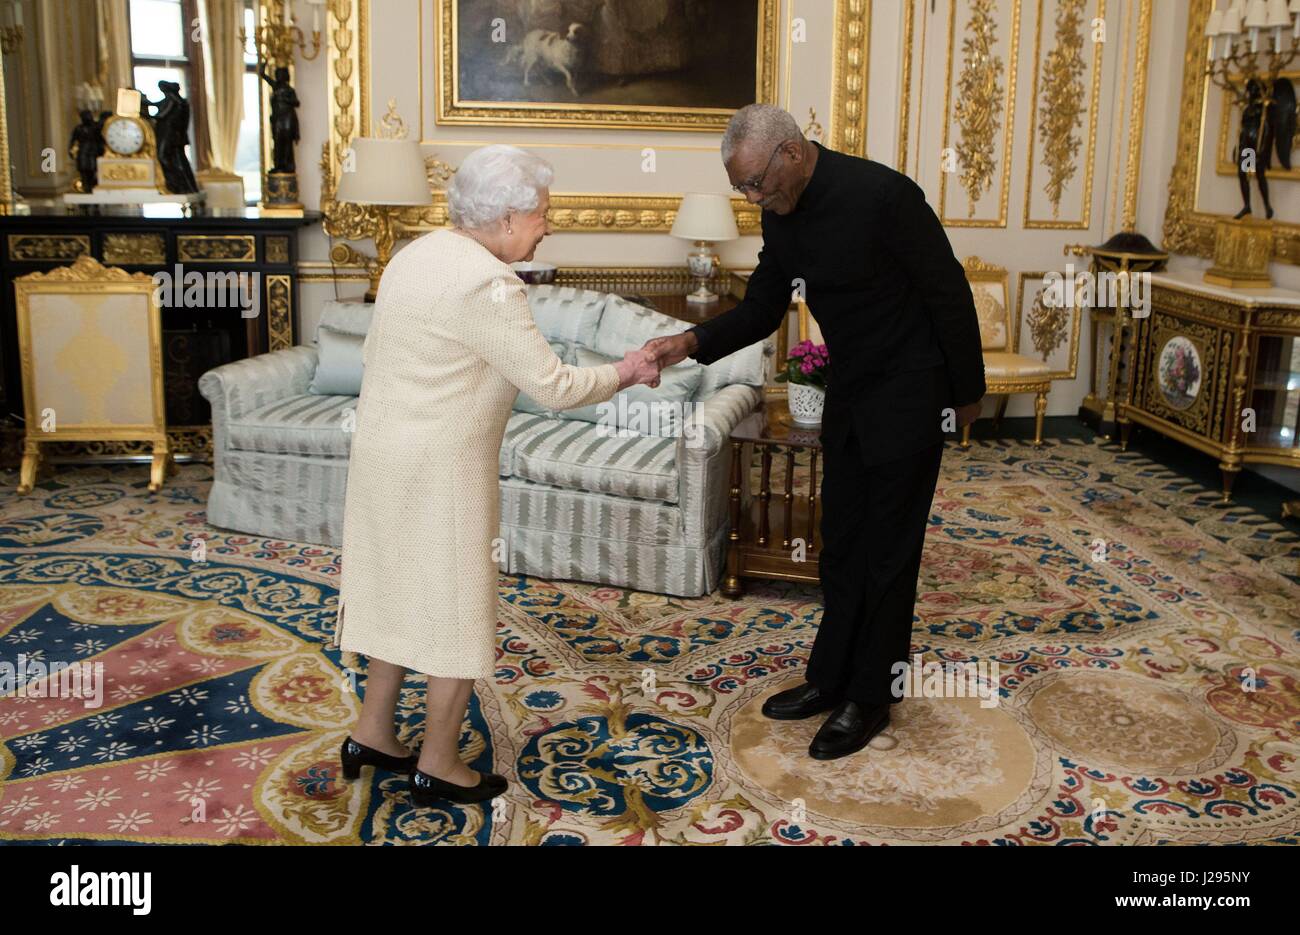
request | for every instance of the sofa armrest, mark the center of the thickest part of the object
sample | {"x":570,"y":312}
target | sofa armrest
{"x":241,"y":386}
{"x":704,"y":458}
{"x":713,"y":419}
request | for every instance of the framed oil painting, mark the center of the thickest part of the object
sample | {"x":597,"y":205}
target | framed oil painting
{"x":661,"y":64}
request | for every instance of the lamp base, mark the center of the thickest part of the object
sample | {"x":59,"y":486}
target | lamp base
{"x":701,"y":296}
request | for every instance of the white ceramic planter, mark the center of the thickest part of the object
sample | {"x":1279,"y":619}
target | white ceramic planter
{"x":806,"y":403}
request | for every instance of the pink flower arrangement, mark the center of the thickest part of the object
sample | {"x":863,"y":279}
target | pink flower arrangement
{"x":808,"y":364}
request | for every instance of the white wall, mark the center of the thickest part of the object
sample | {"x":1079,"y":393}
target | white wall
{"x":401,"y":46}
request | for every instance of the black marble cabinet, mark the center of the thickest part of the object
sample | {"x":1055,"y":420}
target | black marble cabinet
{"x":196,"y":335}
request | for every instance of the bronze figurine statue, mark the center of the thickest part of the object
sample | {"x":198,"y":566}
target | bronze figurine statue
{"x":1267,"y":123}
{"x":171,"y":124}
{"x":284,"y":119}
{"x":86,"y":145}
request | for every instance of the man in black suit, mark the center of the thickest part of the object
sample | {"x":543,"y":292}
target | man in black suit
{"x":879,"y":276}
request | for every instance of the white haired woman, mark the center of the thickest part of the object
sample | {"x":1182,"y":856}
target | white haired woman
{"x":451,"y":342}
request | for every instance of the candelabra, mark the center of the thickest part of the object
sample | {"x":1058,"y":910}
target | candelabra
{"x":278,"y":35}
{"x":1234,"y":35}
{"x":1248,"y":46}
{"x":276,"y":38}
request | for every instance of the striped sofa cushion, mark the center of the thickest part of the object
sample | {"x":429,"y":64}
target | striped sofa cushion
{"x":565,"y":313}
{"x":580,"y":456}
{"x":626,"y":325}
{"x":297,"y":425}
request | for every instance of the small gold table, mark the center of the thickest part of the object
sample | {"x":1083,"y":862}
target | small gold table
{"x":754,"y":550}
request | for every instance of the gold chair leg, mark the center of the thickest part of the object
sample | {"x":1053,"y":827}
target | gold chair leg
{"x":30,"y":467}
{"x":965,"y":435}
{"x":1040,"y":409}
{"x":158,"y":466}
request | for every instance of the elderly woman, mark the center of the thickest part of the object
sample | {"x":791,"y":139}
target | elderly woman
{"x":451,"y":344}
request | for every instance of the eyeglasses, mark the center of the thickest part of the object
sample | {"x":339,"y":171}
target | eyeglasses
{"x":757,"y":184}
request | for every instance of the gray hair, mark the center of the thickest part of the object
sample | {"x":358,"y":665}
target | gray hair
{"x":494,"y":181}
{"x":762,"y":125}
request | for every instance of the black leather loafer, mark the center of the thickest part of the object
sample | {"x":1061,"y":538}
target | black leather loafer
{"x":429,"y":790}
{"x":794,"y":704}
{"x":849,"y":728}
{"x":356,"y":755}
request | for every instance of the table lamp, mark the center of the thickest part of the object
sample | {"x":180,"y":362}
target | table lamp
{"x":706,"y":219}
{"x":385,"y":173}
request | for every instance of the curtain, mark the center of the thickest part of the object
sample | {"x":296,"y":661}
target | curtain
{"x":114,"y":52}
{"x":223,"y":79}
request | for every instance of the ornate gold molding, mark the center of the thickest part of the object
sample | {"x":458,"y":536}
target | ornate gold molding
{"x":86,"y":269}
{"x":57,"y":247}
{"x":143,"y":248}
{"x":1137,"y":117}
{"x":186,"y":443}
{"x":905,"y":96}
{"x":1046,"y":325}
{"x":849,"y":71}
{"x":981,"y":100}
{"x":216,"y":248}
{"x":279,"y":305}
{"x":649,"y":279}
{"x":1186,"y":229}
{"x":1058,"y":103}
{"x":277,"y":249}
{"x":598,"y":213}
{"x":980,"y":270}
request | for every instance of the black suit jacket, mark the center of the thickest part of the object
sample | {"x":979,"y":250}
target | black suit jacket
{"x":891,"y":298}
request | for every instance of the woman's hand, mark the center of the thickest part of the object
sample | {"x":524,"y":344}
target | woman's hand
{"x":637,"y":367}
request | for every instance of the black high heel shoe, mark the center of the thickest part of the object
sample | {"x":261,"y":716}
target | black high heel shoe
{"x":356,"y":755}
{"x":429,"y":790}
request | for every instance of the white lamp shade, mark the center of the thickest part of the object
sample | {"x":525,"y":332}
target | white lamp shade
{"x":704,"y":216}
{"x":1256,"y":13}
{"x":385,"y":172}
{"x":1231,"y":22}
{"x":1294,"y":6}
{"x":1277,"y":14}
{"x":1215,"y":24}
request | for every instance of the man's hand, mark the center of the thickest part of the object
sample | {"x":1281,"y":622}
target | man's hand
{"x":672,"y":348}
{"x":637,"y":367}
{"x":968,"y":414}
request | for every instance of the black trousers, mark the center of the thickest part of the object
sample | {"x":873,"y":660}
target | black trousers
{"x":873,"y":526}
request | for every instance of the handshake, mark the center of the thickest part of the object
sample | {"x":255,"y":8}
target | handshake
{"x":644,"y":364}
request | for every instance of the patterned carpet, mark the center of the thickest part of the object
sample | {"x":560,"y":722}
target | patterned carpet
{"x":631,"y":718}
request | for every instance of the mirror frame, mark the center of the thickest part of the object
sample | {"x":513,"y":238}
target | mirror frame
{"x":1186,"y":229}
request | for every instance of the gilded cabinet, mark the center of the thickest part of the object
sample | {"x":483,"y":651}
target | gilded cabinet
{"x":1219,"y":369}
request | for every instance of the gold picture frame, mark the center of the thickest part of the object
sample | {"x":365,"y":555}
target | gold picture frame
{"x":452,"y":110}
{"x":90,"y":346}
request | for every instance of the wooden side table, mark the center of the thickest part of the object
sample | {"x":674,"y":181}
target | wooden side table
{"x":754,"y":549}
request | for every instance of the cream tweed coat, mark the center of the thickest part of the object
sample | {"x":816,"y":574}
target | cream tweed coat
{"x":450,"y":343}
